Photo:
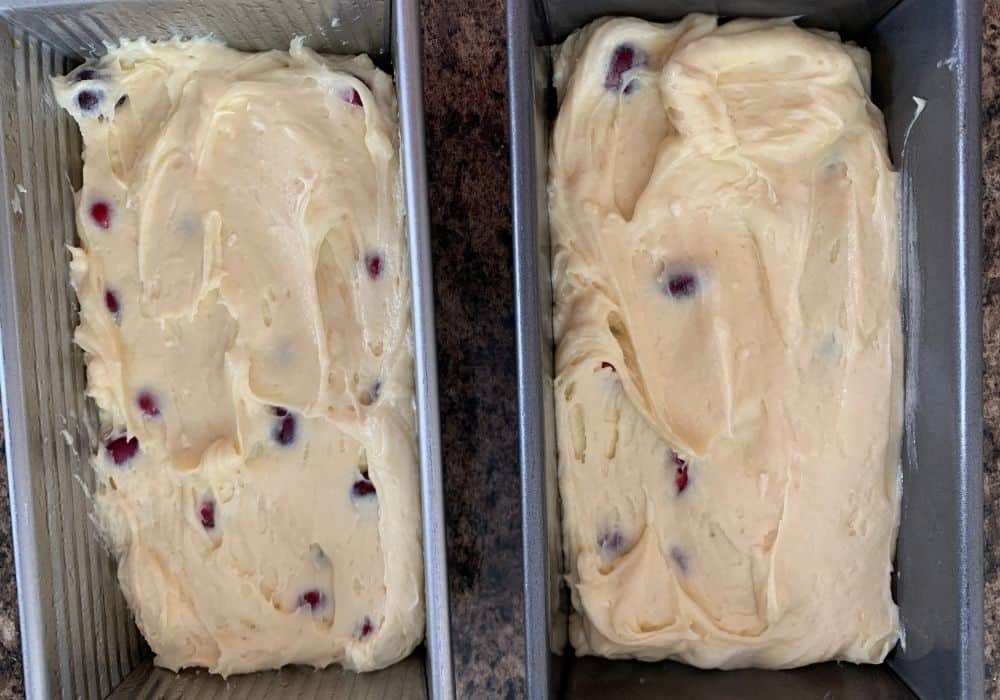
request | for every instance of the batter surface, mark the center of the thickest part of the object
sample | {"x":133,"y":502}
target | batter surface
{"x":728,"y":386}
{"x":245,"y":311}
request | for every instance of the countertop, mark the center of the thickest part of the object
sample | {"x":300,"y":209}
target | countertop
{"x":991,"y":337}
{"x":465,"y":94}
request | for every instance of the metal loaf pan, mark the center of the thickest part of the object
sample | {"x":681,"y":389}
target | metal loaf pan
{"x":77,"y":636}
{"x":922,"y":48}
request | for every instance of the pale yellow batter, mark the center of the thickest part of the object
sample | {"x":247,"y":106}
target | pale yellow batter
{"x":728,"y":329}
{"x":245,"y":311}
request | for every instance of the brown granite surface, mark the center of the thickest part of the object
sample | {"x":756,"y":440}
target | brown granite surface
{"x":10,"y":641}
{"x":991,"y":336}
{"x":465,"y":77}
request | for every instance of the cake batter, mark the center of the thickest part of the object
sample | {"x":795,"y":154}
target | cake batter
{"x":245,"y":312}
{"x":728,"y":386}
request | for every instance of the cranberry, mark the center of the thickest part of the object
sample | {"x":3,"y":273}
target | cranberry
{"x":85,"y":74}
{"x":88,"y":100}
{"x":608,"y":365}
{"x":100,"y":212}
{"x":623,"y":59}
{"x":373,"y":263}
{"x":681,"y":473}
{"x":680,"y":558}
{"x":371,"y":396}
{"x":313,"y":598}
{"x":364,"y":628}
{"x":147,"y":404}
{"x":206,"y":511}
{"x":351,"y":96}
{"x":611,"y":543}
{"x":111,"y":301}
{"x":680,"y":285}
{"x":363,"y":488}
{"x":284,"y":428}
{"x":122,"y":449}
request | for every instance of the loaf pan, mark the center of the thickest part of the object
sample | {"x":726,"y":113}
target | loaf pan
{"x":77,"y":636}
{"x":920,"y":48}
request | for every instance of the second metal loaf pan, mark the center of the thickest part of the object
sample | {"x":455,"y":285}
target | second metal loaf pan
{"x":920,"y":48}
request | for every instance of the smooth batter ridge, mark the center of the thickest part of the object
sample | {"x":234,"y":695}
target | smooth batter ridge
{"x":728,"y":388}
{"x":245,"y":312}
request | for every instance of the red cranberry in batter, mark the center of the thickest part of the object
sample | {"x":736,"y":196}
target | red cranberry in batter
{"x":314,"y":599}
{"x":100,"y":212}
{"x":285,"y":425}
{"x":89,"y":100}
{"x":623,"y":59}
{"x":85,"y":74}
{"x":363,"y":488}
{"x":206,"y":513}
{"x":612,"y":543}
{"x":147,"y":404}
{"x":680,"y":473}
{"x":364,"y":628}
{"x":681,"y":285}
{"x":112,"y":304}
{"x":122,"y":449}
{"x":374,"y":265}
{"x":680,"y":558}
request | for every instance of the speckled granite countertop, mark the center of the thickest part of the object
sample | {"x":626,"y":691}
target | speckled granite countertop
{"x":465,"y":91}
{"x":991,"y":336}
{"x":465,"y":86}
